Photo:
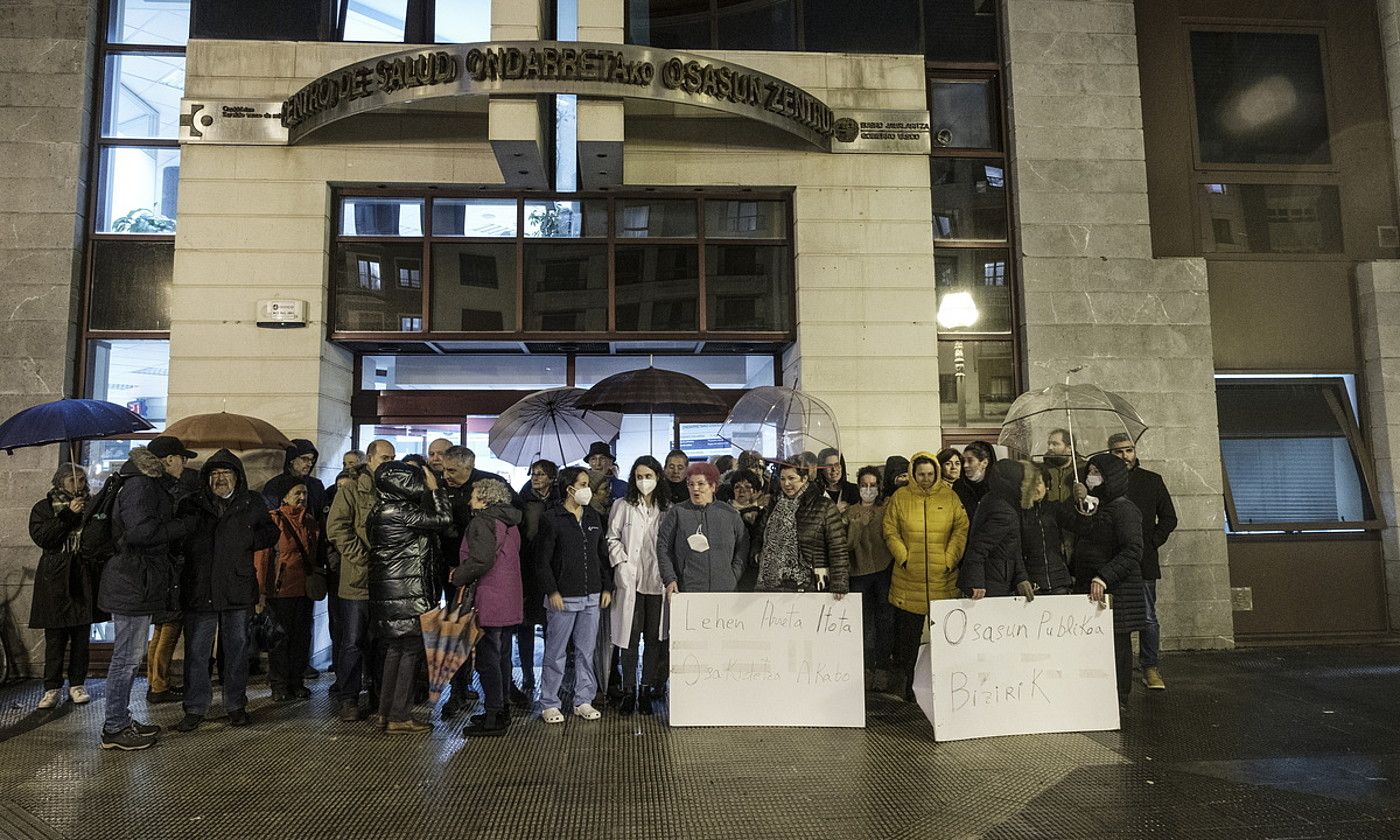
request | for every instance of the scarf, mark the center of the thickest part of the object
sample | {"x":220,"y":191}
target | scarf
{"x":60,"y":498}
{"x":781,"y":568}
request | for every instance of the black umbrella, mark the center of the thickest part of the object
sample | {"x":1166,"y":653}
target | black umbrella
{"x":652,"y":391}
{"x":67,"y":420}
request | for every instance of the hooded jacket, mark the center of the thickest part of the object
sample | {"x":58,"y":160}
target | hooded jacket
{"x":402,"y":529}
{"x":219,"y":572}
{"x":317,"y":500}
{"x":139,"y":578}
{"x":490,"y":557}
{"x":1043,"y":530}
{"x":993,"y":558}
{"x":926,"y":531}
{"x":1112,"y":549}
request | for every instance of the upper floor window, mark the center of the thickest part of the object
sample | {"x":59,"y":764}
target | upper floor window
{"x":876,"y":26}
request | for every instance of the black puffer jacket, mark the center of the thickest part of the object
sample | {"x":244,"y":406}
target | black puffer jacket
{"x":992,"y":559}
{"x":1112,"y":549}
{"x":139,"y":578}
{"x":821,"y":537}
{"x":402,"y":531}
{"x":1042,"y":534}
{"x":218,"y":569}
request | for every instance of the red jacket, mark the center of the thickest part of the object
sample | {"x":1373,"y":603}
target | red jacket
{"x":296,"y":528}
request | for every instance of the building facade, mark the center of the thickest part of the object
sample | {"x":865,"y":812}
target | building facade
{"x":912,"y":210}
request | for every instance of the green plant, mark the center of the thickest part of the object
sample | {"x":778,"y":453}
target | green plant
{"x":142,"y":220}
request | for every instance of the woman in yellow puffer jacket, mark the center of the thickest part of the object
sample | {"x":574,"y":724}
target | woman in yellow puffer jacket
{"x":926,"y":530}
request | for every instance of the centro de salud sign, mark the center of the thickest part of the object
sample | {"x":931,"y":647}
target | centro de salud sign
{"x":525,"y":68}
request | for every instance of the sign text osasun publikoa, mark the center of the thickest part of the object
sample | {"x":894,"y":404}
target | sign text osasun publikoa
{"x":634,"y":69}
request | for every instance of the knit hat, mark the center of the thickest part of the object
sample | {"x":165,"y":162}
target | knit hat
{"x":279,"y":486}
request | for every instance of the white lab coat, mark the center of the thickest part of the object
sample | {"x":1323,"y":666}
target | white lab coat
{"x":632,"y":552}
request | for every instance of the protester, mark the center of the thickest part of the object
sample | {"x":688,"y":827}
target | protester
{"x":219,"y":585}
{"x":1108,"y":559}
{"x":804,"y":539}
{"x":701,"y":546}
{"x":1043,"y":533}
{"x":600,"y":458}
{"x":971,"y":486}
{"x":300,"y":461}
{"x":637,"y":605}
{"x":282,"y":585}
{"x":489,"y":559}
{"x":570,"y":565}
{"x":169,"y":623}
{"x":894,"y":476}
{"x":832,"y":479}
{"x":748,"y":499}
{"x":949,"y":465}
{"x":436,"y":450}
{"x":135,"y":583}
{"x":677,"y":462}
{"x":925,"y":529}
{"x":870,"y":573}
{"x":992,"y":564}
{"x":401,"y":528}
{"x":725,"y":464}
{"x":1147,"y":490}
{"x":1065,"y":465}
{"x":352,"y":459}
{"x":346,"y":529}
{"x":64,"y":605}
{"x":535,"y":497}
{"x":459,"y":477}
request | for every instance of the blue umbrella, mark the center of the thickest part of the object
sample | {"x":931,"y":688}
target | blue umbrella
{"x":63,"y":421}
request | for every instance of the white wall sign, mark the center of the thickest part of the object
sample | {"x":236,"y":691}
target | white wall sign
{"x":766,"y":659}
{"x":1002,"y":666}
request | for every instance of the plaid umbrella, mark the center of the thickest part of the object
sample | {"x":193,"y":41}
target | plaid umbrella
{"x":450,"y":635}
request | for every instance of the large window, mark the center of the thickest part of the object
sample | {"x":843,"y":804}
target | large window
{"x":1293,"y":456}
{"x":873,"y":26}
{"x":627,"y":266}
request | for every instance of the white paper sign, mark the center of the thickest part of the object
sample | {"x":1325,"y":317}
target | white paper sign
{"x":766,"y":659}
{"x":1002,"y":666}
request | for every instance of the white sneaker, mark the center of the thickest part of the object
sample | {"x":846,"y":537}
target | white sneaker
{"x":50,"y":699}
{"x":78,"y":694}
{"x":552,"y":716}
{"x":587,"y":712}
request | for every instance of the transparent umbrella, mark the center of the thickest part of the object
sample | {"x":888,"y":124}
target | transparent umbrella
{"x":780,"y":423}
{"x":1089,"y":414}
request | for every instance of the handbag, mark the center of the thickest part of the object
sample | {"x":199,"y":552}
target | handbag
{"x":264,"y":628}
{"x":315,"y":575}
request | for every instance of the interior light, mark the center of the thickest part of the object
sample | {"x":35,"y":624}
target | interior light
{"x":957,"y":310}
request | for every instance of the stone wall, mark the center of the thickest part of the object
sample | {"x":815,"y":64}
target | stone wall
{"x":46,"y":66}
{"x":1378,"y":310}
{"x":1094,"y":296}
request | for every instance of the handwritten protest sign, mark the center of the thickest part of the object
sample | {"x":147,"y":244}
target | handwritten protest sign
{"x":766,"y":659}
{"x":1002,"y":666}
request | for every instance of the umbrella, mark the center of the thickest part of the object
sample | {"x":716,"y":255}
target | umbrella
{"x":1089,"y":413}
{"x":450,"y":634}
{"x":549,"y":424}
{"x":224,"y":430}
{"x":652,"y":391}
{"x":67,"y":420}
{"x":781,"y":423}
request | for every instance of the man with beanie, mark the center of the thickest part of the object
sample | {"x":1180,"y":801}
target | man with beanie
{"x":1147,"y":490}
{"x":299,"y":462}
{"x":181,"y":481}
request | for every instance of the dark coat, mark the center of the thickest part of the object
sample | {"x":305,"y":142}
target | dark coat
{"x":570,"y":556}
{"x":821,"y":537}
{"x":534,"y":507}
{"x":992,"y":559}
{"x":219,"y":570}
{"x":1042,"y":539}
{"x":1112,"y":549}
{"x":65,"y":585}
{"x":140,"y":577}
{"x":402,"y":531}
{"x":1147,"y":490}
{"x":970,"y":493}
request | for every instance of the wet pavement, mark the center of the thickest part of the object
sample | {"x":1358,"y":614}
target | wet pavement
{"x":1268,"y":743}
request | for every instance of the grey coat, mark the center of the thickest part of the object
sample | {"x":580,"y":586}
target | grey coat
{"x":714,"y":570}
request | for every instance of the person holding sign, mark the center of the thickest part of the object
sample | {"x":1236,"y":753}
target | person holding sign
{"x":925,"y":530}
{"x":804,"y":540}
{"x":1108,"y":560}
{"x":570,"y":566}
{"x":637,"y":580}
{"x":701,"y":546}
{"x":992,"y":564}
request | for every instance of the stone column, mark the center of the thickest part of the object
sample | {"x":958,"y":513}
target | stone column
{"x":1094,"y":295}
{"x":46,"y":59}
{"x":1378,"y":305}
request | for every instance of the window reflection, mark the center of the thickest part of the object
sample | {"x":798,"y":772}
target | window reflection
{"x":137,"y":189}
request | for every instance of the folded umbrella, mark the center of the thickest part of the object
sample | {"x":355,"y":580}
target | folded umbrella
{"x":450,"y":635}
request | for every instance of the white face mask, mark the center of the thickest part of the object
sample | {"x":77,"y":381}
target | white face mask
{"x":1093,"y":481}
{"x":869,"y":494}
{"x":582,"y":496}
{"x":698,"y":542}
{"x":646,"y":485}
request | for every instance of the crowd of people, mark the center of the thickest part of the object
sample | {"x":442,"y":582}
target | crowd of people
{"x":589,"y":555}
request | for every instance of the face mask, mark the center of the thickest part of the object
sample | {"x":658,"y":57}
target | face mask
{"x":698,"y":542}
{"x":869,"y":494}
{"x":582,"y":496}
{"x":646,"y":485}
{"x":974,"y":475}
{"x":1093,"y":481}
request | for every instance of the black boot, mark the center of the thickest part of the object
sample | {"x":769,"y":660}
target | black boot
{"x":490,"y":725}
{"x":629,"y":703}
{"x":644,"y":697}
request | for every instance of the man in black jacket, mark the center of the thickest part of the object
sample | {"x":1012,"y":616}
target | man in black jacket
{"x":220,"y":585}
{"x":135,"y":585}
{"x":1147,"y":490}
